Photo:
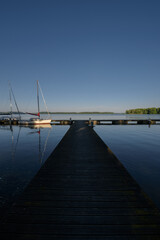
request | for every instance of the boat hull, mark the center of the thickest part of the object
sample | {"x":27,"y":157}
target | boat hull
{"x":35,"y":122}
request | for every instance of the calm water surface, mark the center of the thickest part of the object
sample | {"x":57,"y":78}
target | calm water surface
{"x":23,"y":151}
{"x":138,"y":148}
{"x":97,"y":116}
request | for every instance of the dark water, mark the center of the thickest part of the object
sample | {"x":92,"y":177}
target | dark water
{"x":23,"y":151}
{"x":138,"y":148}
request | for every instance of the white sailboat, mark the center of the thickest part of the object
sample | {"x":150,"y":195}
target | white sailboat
{"x":39,"y":120}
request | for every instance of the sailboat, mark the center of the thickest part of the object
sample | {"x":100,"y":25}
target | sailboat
{"x":13,"y":119}
{"x":10,"y":119}
{"x":39,"y":120}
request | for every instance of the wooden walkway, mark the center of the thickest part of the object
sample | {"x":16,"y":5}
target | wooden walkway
{"x":82,"y":192}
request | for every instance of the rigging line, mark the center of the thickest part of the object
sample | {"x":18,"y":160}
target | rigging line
{"x":15,"y":100}
{"x":10,"y":97}
{"x":44,"y":99}
{"x":38,"y":99}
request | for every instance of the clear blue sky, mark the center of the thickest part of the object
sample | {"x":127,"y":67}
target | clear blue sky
{"x":88,"y":55}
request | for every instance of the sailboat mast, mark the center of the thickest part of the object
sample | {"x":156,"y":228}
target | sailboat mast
{"x":44,"y":99}
{"x":38,"y":100}
{"x":11,"y":91}
{"x":10,"y":101}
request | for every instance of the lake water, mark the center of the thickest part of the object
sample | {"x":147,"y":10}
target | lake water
{"x":24,"y":150}
{"x":96,"y":116}
{"x":138,"y":149}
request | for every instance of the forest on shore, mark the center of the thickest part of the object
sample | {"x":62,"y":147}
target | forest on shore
{"x":143,"y":111}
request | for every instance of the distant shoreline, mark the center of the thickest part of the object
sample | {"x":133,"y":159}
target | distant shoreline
{"x":8,"y":113}
{"x":126,"y":113}
{"x":79,"y":113}
{"x":152,"y":110}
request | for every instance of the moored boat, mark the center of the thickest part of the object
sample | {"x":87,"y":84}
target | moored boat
{"x":38,"y":120}
{"x":35,"y":121}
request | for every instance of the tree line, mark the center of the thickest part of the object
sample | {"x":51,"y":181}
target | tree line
{"x":143,"y":111}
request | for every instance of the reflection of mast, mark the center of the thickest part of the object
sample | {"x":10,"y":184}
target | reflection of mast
{"x":45,"y":145}
{"x":11,"y":128}
{"x":41,"y":153}
{"x":14,"y":149}
{"x":39,"y":132}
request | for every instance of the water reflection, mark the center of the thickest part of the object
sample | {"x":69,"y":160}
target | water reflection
{"x":138,"y":148}
{"x":38,"y":129}
{"x":23,"y":150}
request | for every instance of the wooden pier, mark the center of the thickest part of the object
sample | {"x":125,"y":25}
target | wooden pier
{"x":82,"y":192}
{"x":53,"y":122}
{"x":124,"y":122}
{"x":61,"y":122}
{"x":92,"y":122}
